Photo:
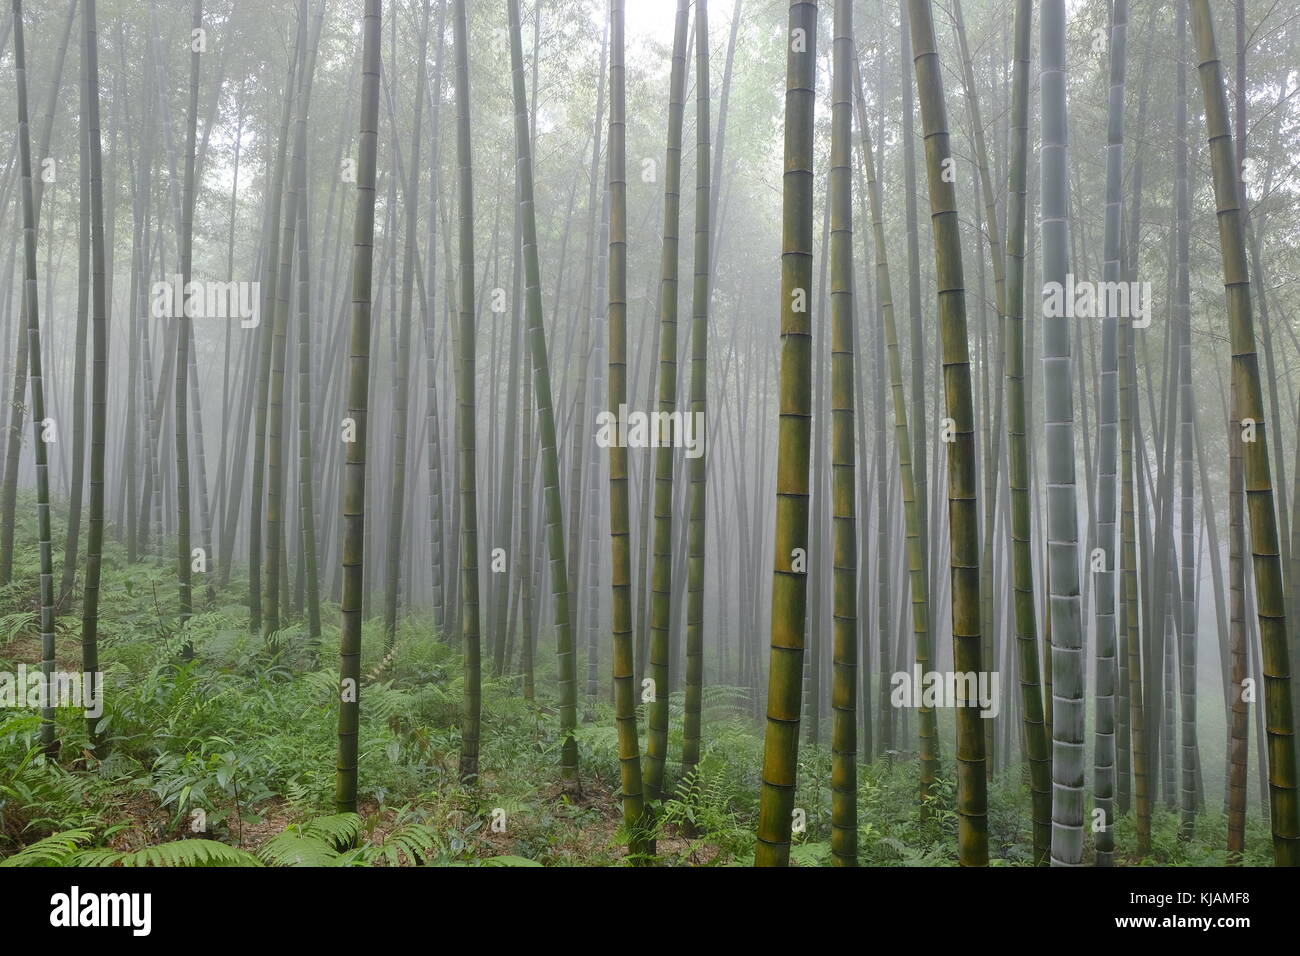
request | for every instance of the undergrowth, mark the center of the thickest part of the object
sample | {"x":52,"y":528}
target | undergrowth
{"x":228,"y":759}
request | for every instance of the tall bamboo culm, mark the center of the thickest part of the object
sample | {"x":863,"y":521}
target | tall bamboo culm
{"x":661,"y":573}
{"x":1108,"y":451}
{"x":918,"y":580}
{"x":1187,"y":520}
{"x":696,"y":529}
{"x":465,"y":409}
{"x":354,"y":478}
{"x":551,"y":492}
{"x":844,"y":656}
{"x":1058,"y":417}
{"x":36,"y":382}
{"x":963,"y":510}
{"x":1270,"y":598}
{"x":99,"y":368}
{"x":625,"y":686}
{"x":1022,"y":557}
{"x":184,"y":327}
{"x":790,"y":579}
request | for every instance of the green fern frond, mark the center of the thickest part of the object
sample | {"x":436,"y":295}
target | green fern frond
{"x":20,"y":622}
{"x":54,"y":850}
{"x":339,"y":829}
{"x":177,"y":853}
{"x":410,"y":843}
{"x":319,"y":842}
{"x":294,"y":848}
{"x":810,"y":854}
{"x":99,"y":856}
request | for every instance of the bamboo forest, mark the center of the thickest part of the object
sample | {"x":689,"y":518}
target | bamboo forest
{"x":649,"y":433}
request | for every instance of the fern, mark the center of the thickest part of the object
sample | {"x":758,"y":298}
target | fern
{"x":294,"y":848}
{"x":416,"y":842}
{"x":64,"y":849}
{"x":810,"y":854}
{"x":54,"y":850}
{"x":177,"y":853}
{"x":20,"y":622}
{"x":320,"y":842}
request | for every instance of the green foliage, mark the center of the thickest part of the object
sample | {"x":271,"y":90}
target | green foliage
{"x":412,"y":842}
{"x":195,"y":852}
{"x":37,"y":794}
{"x":19,"y":622}
{"x":324,"y":841}
{"x":241,"y":741}
{"x":810,"y":854}
{"x":320,"y":842}
{"x":54,"y":850}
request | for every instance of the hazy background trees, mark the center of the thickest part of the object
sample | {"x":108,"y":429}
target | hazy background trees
{"x":222,"y":141}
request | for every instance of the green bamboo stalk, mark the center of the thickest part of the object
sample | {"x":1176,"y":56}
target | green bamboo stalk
{"x":916,"y":320}
{"x":1269,"y":595}
{"x":1132,"y":618}
{"x":698,"y":401}
{"x":526,"y":553}
{"x":354,"y":486}
{"x":266,"y":343}
{"x":184,"y":325}
{"x":465,"y":410}
{"x":581,"y":436}
{"x":972,"y":800}
{"x":992,"y":425}
{"x":1022,"y":560}
{"x":306,"y":471}
{"x":13,"y":445}
{"x":919,"y":585}
{"x":818,"y":552}
{"x":789,"y":579}
{"x":625,"y":687}
{"x":661,"y":574}
{"x":78,"y":478}
{"x":551,"y":491}
{"x":1187,"y":522}
{"x":401,"y":383}
{"x":276,"y":590}
{"x":36,"y":382}
{"x":1239,"y":719}
{"x":844,"y":743}
{"x":433,"y":418}
{"x":99,"y":371}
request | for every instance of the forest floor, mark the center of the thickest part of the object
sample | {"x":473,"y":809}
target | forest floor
{"x":229,"y":757}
